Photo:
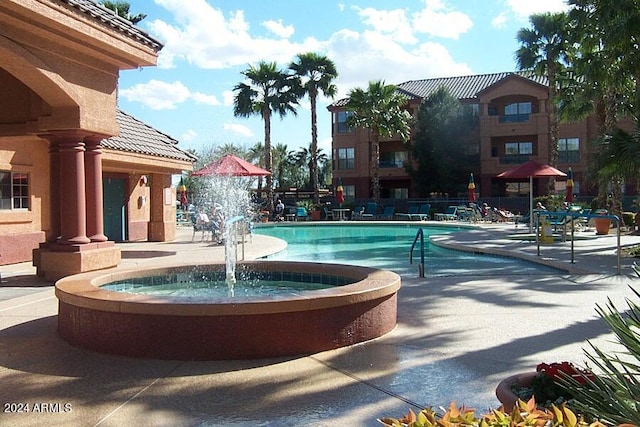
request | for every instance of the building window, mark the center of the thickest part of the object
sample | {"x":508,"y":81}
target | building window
{"x":518,"y":148}
{"x":346,"y":158}
{"x":516,"y":112}
{"x":14,"y":190}
{"x":349,"y":192}
{"x":569,"y":150}
{"x":340,"y":124}
{"x":516,"y":152}
{"x":399,"y":193}
{"x":394,"y":159}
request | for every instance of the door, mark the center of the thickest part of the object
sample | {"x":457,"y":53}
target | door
{"x":113,"y":206}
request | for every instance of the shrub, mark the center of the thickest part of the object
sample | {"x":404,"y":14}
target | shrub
{"x":523,"y":414}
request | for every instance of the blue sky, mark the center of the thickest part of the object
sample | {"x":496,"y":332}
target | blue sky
{"x":207,"y":43}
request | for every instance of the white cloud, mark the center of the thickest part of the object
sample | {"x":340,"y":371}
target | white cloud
{"x":189,"y":135}
{"x":159,"y":95}
{"x":239,"y":129}
{"x":202,"y":98}
{"x":522,"y":9}
{"x":203,"y":36}
{"x":499,"y":21}
{"x":227,"y":98}
{"x":277,"y":28}
{"x":373,"y":56}
{"x":391,"y":22}
{"x":437,"y":20}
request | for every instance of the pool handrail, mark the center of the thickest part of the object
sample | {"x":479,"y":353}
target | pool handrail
{"x":419,"y":234}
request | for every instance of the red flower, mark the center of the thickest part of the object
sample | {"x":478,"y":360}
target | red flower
{"x":561,"y":370}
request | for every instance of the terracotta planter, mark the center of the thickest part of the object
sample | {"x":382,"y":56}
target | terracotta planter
{"x":503,"y":392}
{"x":315,"y":215}
{"x":602,"y":225}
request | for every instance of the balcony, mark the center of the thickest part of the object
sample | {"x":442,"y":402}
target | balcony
{"x":514,"y":159}
{"x":514,"y":118}
{"x":391,"y":164}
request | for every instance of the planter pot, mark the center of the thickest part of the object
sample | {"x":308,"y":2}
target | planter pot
{"x":602,"y":225}
{"x":504,"y":394}
{"x":315,"y":215}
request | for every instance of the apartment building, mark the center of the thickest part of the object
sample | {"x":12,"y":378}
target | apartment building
{"x":513,"y":128}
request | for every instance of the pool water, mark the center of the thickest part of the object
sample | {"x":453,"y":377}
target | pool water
{"x":388,"y":247}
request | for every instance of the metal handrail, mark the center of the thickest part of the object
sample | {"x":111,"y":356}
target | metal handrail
{"x":419,"y":234}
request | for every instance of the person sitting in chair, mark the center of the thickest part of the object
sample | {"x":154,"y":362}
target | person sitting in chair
{"x":279,"y":214}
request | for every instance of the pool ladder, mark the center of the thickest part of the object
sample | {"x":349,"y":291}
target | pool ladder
{"x":419,"y":234}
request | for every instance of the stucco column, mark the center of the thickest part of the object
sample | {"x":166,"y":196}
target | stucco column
{"x":73,"y":222}
{"x":93,"y":183}
{"x":54,"y":192}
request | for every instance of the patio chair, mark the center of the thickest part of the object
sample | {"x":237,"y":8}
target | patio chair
{"x":302,"y":214}
{"x":413,"y":209}
{"x":423,"y":213}
{"x":448,"y":215}
{"x":357,"y":212}
{"x":327,"y":214}
{"x":204,"y":228}
{"x":387,"y":213}
{"x":369,"y":211}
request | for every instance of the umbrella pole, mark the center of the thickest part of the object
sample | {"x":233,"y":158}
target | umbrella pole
{"x":530,"y":203}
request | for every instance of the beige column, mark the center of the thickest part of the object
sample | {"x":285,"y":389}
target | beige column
{"x":93,"y":183}
{"x":73,"y":223}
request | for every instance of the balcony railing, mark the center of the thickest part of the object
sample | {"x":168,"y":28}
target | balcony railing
{"x":514,"y":118}
{"x":514,"y":159}
{"x":391,"y":164}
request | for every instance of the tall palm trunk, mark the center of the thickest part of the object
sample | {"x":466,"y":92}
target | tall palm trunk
{"x":553,"y":121}
{"x":268,"y":157}
{"x":375,"y":167}
{"x":314,"y":147}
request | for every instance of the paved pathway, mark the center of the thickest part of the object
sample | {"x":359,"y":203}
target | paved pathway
{"x":456,"y":338}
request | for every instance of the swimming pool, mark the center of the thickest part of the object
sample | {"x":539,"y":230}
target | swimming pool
{"x":387,"y":246}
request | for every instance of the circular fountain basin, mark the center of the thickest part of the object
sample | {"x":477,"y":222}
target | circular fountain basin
{"x":164,"y":327}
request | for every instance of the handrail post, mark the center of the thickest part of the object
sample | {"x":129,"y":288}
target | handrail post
{"x":419,"y":234}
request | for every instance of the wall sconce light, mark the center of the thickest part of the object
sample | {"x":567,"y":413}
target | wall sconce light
{"x":144,"y":180}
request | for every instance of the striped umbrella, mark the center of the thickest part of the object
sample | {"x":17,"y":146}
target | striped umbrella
{"x":569,"y":196}
{"x":472,"y":188}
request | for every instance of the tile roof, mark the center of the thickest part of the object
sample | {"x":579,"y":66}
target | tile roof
{"x":461,"y":87}
{"x":138,"y":137}
{"x":109,"y":17}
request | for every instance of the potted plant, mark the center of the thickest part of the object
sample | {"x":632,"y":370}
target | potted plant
{"x":603,"y":225}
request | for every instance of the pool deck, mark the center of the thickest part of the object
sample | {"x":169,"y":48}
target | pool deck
{"x":456,"y":338}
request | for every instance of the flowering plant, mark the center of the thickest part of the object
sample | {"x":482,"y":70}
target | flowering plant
{"x":548,"y":385}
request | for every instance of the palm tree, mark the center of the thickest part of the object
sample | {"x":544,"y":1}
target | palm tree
{"x":544,"y":50}
{"x":380,"y":109}
{"x":266,"y":91}
{"x":316,"y":74}
{"x":304,"y":160}
{"x":121,"y":8}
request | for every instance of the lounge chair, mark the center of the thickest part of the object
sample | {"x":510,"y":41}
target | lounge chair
{"x":413,"y":209}
{"x":204,"y":228}
{"x":369,"y":211}
{"x":387,"y":213}
{"x":424,"y":212}
{"x":448,"y":215}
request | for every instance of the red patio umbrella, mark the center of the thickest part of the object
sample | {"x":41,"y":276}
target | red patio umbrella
{"x":339,"y":192}
{"x":569,"y":196}
{"x":472,"y":188}
{"x":531,"y":169}
{"x":231,"y":165}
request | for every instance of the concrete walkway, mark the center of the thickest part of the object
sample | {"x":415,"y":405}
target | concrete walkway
{"x":456,"y":338}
